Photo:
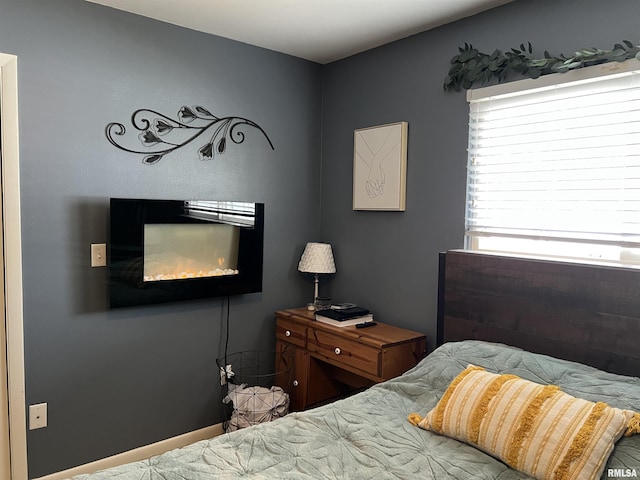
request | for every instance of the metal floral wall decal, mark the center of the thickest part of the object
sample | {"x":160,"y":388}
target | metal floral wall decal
{"x":162,"y":135}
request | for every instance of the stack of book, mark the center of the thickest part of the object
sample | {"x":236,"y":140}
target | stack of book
{"x":344,"y":317}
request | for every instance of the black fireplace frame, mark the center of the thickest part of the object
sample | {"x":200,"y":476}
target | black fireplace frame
{"x":128,"y":217}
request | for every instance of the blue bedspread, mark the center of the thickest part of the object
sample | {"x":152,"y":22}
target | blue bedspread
{"x":367,"y":436}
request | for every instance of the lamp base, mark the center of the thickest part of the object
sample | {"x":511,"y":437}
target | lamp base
{"x":316,"y":281}
{"x":323,"y":303}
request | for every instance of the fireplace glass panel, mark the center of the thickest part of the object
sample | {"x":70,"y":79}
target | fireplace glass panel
{"x":178,"y":251}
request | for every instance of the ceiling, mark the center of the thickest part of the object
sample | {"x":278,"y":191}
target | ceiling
{"x":318,"y":30}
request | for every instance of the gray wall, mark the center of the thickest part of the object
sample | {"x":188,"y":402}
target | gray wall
{"x":116,"y":380}
{"x":388,"y":261}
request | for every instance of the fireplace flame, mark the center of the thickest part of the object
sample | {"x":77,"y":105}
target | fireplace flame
{"x":183,"y":268}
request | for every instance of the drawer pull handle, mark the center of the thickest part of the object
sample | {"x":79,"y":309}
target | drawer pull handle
{"x":295,"y":383}
{"x":337,"y":350}
{"x":287,"y":333}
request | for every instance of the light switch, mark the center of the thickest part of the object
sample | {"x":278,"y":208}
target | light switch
{"x":98,"y":254}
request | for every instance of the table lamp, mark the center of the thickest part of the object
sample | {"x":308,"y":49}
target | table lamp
{"x":317,"y":258}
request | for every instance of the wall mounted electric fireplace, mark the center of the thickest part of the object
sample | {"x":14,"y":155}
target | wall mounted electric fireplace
{"x":171,"y":250}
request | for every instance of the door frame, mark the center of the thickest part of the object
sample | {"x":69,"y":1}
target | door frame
{"x":12,"y":254}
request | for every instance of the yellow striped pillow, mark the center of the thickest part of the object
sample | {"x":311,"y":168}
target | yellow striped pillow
{"x":537,"y":429}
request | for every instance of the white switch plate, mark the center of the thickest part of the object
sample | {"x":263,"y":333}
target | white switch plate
{"x":37,"y":416}
{"x":98,"y":254}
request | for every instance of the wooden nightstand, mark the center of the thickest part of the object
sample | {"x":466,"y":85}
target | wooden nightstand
{"x":331,"y":362}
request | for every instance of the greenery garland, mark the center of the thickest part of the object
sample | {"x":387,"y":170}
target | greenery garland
{"x":471,"y":66}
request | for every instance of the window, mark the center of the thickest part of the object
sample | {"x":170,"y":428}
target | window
{"x":554,"y":168}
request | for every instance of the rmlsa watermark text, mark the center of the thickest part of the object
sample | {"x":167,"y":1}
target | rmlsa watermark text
{"x":622,"y":473}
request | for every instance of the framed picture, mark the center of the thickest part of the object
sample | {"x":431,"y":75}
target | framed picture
{"x":380,"y":167}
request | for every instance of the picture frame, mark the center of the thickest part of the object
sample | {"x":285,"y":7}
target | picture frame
{"x":380,"y":167}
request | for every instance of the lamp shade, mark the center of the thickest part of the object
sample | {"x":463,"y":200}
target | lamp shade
{"x":317,"y":258}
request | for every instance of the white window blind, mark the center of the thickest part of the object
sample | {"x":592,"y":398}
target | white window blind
{"x":555,"y":169}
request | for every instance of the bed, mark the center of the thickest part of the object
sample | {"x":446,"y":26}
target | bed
{"x":369,"y":435}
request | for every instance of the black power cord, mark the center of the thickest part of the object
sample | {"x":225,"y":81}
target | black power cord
{"x":226,"y":340}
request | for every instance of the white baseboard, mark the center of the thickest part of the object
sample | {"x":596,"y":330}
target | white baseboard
{"x":140,"y":453}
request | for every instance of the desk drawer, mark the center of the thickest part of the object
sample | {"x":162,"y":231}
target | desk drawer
{"x":291,"y":332}
{"x":344,"y":351}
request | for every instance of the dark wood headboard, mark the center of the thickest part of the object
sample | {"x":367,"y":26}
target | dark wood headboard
{"x":584,"y":313}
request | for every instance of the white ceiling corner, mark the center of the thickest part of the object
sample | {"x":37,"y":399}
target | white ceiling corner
{"x":318,"y":30}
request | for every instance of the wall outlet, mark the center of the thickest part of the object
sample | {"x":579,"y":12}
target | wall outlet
{"x":98,"y":254}
{"x":37,"y":416}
